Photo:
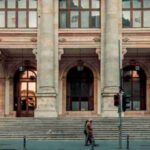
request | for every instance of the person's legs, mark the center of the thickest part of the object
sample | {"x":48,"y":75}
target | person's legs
{"x":92,"y":141}
{"x":86,"y":139}
{"x":90,"y":138}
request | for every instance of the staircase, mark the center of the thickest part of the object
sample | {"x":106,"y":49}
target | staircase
{"x":72,"y":128}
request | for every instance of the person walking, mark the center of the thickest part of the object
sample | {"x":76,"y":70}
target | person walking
{"x":90,"y":137}
{"x":85,"y":132}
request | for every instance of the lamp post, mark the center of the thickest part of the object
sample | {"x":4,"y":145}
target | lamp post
{"x":22,"y":68}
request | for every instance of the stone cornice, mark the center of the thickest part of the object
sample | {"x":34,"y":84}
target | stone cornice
{"x":80,"y":30}
{"x":136,"y":30}
{"x":18,"y":38}
{"x":18,"y":32}
{"x":136,"y":38}
{"x":7,"y":30}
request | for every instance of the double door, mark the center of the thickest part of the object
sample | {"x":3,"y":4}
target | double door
{"x":25,"y":94}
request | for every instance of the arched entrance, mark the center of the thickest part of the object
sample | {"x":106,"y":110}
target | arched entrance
{"x":134,"y":83}
{"x":80,"y":89}
{"x":24,"y":91}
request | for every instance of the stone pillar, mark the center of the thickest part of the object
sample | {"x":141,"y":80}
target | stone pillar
{"x":110,"y":57}
{"x":46,"y":92}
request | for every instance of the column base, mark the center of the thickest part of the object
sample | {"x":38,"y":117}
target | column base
{"x":45,"y":114}
{"x":109,"y":113}
{"x":46,"y":107}
{"x":108,"y":108}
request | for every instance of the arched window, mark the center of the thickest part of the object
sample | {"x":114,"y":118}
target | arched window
{"x":25,"y":92}
{"x":80,"y":89}
{"x":134,"y":84}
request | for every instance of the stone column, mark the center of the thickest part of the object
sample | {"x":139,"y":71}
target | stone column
{"x":110,"y":57}
{"x":46,"y":92}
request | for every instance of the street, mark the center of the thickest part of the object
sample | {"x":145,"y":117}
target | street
{"x":70,"y":145}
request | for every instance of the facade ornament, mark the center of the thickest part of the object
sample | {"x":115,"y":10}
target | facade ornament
{"x":96,"y":39}
{"x":125,"y":39}
{"x":2,"y":56}
{"x":62,"y":40}
{"x":33,"y":40}
{"x":124,"y":51}
{"x":98,"y":52}
{"x":34,"y":51}
{"x":60,"y":52}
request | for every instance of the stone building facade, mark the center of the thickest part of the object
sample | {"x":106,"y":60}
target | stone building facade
{"x":69,"y":62}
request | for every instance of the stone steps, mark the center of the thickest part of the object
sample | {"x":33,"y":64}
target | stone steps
{"x":72,"y":128}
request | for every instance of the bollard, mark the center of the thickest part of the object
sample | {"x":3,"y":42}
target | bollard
{"x":127,"y":141}
{"x":24,"y":142}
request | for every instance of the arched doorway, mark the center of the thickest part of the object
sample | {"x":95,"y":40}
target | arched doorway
{"x":80,"y":89}
{"x":134,"y":84}
{"x":25,"y":92}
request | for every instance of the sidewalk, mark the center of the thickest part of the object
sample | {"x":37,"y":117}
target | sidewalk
{"x":70,"y":145}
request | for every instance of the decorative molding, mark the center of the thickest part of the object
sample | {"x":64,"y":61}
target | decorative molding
{"x":33,"y":40}
{"x":98,"y":52}
{"x":125,"y":39}
{"x":96,"y":39}
{"x":34,"y":51}
{"x":60,"y":52}
{"x":124,"y":50}
{"x":62,"y":40}
{"x":3,"y":57}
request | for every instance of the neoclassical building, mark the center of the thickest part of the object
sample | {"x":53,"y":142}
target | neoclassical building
{"x":62,"y":58}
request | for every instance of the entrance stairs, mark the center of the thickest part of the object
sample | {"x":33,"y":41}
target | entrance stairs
{"x":72,"y":128}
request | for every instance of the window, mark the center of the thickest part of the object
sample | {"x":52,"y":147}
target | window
{"x":136,"y":13}
{"x":18,"y":13}
{"x":134,"y":85}
{"x":79,"y":13}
